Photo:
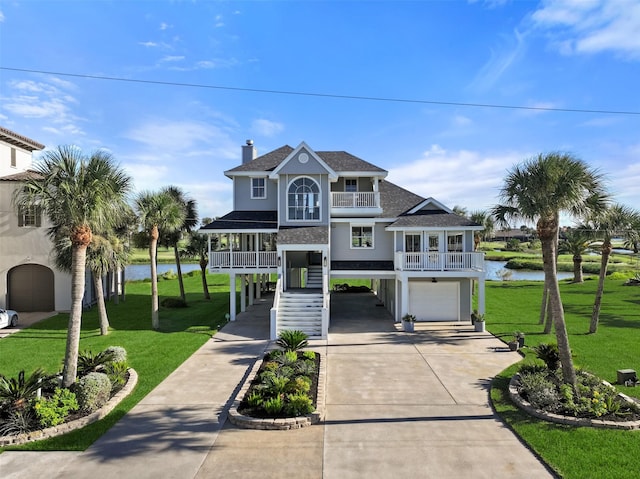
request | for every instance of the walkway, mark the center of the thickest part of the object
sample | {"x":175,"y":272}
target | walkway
{"x":398,"y":405}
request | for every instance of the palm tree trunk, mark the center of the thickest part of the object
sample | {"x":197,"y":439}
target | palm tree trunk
{"x":179,"y":268}
{"x":102,"y":310}
{"x":577,"y":269}
{"x":78,"y":261}
{"x":548,"y":322}
{"x":153,"y":247}
{"x":203,"y":272}
{"x":548,"y":232}
{"x":595,"y":315}
{"x":545,"y":302}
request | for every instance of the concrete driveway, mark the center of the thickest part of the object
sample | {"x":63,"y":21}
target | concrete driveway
{"x":398,"y":405}
{"x":25,"y":320}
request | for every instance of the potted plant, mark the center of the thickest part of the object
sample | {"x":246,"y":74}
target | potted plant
{"x":513,"y":345}
{"x":474,"y":316}
{"x":479,"y":322}
{"x":519,"y":337}
{"x":408,"y":321}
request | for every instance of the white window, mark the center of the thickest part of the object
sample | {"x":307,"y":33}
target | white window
{"x":351,"y":185}
{"x":454,"y":242}
{"x":362,"y":236}
{"x":434,"y":243}
{"x":303,"y":200}
{"x":258,"y":188}
{"x":412,"y":243}
{"x":30,"y":217}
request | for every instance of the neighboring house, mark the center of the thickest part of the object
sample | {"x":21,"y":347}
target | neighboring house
{"x":29,"y":280}
{"x":311,"y":216}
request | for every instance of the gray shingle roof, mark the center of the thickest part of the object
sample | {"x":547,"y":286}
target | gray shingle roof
{"x":396,"y":200}
{"x":245,"y":220}
{"x":337,"y":160}
{"x":22,"y":176}
{"x":432,"y":218}
{"x":304,"y":235}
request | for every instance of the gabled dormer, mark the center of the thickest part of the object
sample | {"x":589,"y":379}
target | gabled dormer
{"x":303,"y":188}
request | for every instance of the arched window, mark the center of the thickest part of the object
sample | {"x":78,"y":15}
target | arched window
{"x":303,"y":199}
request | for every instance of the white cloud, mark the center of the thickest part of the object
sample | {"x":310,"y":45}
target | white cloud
{"x":467,"y":178}
{"x":460,"y":120}
{"x":165,"y":26}
{"x":592,"y":26}
{"x":500,"y":61}
{"x":172,"y":58}
{"x":266,"y":128}
{"x":219,"y":21}
{"x":1,"y":16}
{"x":148,"y":44}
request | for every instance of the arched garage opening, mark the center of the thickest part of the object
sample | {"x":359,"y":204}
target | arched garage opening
{"x":31,"y":288}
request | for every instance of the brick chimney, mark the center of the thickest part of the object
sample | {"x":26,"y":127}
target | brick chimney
{"x":249,"y":152}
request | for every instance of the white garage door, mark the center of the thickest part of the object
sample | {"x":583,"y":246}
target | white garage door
{"x":434,"y":301}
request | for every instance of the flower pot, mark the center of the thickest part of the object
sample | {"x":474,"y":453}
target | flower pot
{"x":408,"y":326}
{"x":479,"y":326}
{"x":513,"y":345}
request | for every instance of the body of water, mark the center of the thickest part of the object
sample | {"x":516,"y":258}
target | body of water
{"x":494,"y":270}
{"x":135,"y":272}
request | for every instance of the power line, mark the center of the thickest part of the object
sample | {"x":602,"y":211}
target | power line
{"x":324,"y":95}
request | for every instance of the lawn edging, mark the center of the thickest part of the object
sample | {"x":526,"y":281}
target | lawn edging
{"x":66,"y":427}
{"x":279,"y":424}
{"x":567,"y":420}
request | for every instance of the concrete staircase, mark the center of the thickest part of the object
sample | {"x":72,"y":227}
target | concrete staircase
{"x":301,"y":311}
{"x":314,"y":277}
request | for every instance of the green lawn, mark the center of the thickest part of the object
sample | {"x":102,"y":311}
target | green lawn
{"x":573,"y":451}
{"x":153,"y":354}
{"x":165,"y":256}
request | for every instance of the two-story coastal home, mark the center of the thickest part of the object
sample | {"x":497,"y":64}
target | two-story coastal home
{"x":312,"y":216}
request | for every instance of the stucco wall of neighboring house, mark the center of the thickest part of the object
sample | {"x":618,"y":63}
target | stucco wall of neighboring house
{"x":26,"y":245}
{"x":23,"y":159}
{"x":341,"y":249}
{"x":242,"y":200}
{"x":323,"y":182}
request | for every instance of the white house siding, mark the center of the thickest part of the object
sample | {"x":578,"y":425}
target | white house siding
{"x":341,"y":242}
{"x":23,"y":160}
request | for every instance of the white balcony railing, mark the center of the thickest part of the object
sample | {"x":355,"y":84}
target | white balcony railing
{"x":440,"y":261}
{"x":243,"y":259}
{"x":359,"y":199}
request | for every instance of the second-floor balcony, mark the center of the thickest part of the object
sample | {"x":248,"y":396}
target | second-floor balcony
{"x":454,"y":261}
{"x":243,"y":260}
{"x":358,"y":202}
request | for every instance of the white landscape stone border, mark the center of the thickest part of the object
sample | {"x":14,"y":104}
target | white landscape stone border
{"x":280,"y":424}
{"x":66,"y":427}
{"x":568,"y":420}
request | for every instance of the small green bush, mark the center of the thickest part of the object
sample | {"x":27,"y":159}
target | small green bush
{"x":255,"y":399}
{"x":276,"y":385}
{"x":89,"y":362}
{"x":18,"y":391}
{"x":118,"y":354}
{"x":301,"y":384}
{"x":292,"y":340}
{"x":173,"y":303}
{"x":305,"y":368}
{"x":539,"y":390}
{"x":309,"y":355}
{"x":298,"y":405}
{"x":548,"y":352}
{"x":54,"y":410}
{"x":273,"y":405}
{"x":18,"y":421}
{"x":287,"y":358}
{"x":118,"y":373}
{"x":93,"y":391}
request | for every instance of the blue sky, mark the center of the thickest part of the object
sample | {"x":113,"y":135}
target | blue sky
{"x":571,"y":54}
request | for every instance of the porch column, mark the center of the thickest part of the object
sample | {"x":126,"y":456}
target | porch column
{"x":252,"y":285}
{"x":243,"y":293}
{"x":481,"y":304}
{"x":232,"y":297}
{"x":396,"y":312}
{"x":259,"y":286}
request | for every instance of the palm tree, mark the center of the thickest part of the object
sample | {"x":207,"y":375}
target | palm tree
{"x":485,"y":219}
{"x":576,"y":242}
{"x":538,"y":190}
{"x":157,"y":211}
{"x":615,"y":219}
{"x":173,"y":235}
{"x":78,"y":194}
{"x":198,"y":248}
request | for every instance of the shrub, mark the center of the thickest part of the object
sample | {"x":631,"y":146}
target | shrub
{"x":301,"y":384}
{"x":513,"y":245}
{"x":93,"y":391}
{"x":548,"y":352}
{"x":118,"y":354}
{"x":298,"y":405}
{"x":173,"y":303}
{"x":292,"y":340}
{"x":255,"y":399}
{"x":18,"y":421}
{"x":276,"y":385}
{"x":117,"y":373}
{"x":273,"y":405}
{"x":309,"y":355}
{"x":287,"y":358}
{"x":305,"y":368}
{"x":54,"y":410}
{"x":89,"y":362}
{"x":539,"y":390}
{"x":17,"y":391}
